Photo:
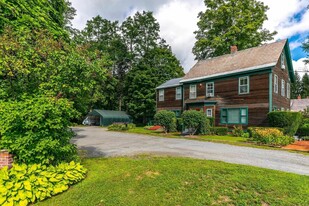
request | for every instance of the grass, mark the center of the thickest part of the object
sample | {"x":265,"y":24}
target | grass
{"x":148,"y":180}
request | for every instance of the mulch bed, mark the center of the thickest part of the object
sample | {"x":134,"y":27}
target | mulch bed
{"x":155,"y":127}
{"x":298,"y":145}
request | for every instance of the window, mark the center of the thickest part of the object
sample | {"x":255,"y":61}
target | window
{"x":178,"y":93}
{"x":282,"y":61}
{"x":234,"y":116}
{"x":243,"y":87}
{"x":210,"y":89}
{"x":192,"y":91}
{"x":161,"y":95}
{"x":288,"y":90}
{"x":177,"y":113}
{"x":209,"y":112}
{"x":282,"y":88}
{"x":276,"y":84}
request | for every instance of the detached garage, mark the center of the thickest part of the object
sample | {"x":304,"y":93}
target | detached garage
{"x":106,"y":117}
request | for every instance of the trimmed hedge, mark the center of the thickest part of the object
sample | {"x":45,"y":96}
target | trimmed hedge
{"x":221,"y":131}
{"x":289,"y":121}
{"x":303,"y":130}
{"x":211,"y":121}
{"x":270,"y":136}
{"x":25,"y":184}
{"x":179,"y":124}
{"x":121,"y":126}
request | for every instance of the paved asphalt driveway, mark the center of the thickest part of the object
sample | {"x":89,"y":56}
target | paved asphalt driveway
{"x":100,"y":142}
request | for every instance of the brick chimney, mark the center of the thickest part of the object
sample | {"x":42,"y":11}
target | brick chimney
{"x":233,"y":49}
{"x":298,"y":97}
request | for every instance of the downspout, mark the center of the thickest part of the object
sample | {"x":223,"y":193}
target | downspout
{"x":271,"y":91}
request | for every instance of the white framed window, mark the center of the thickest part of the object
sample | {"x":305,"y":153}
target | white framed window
{"x":282,"y":87}
{"x":192,"y":91}
{"x":243,"y":85}
{"x":178,"y":93}
{"x":288,"y":90}
{"x":210,"y":89}
{"x":282,"y":60}
{"x":209,"y":112}
{"x":276,"y":84}
{"x":161,"y":95}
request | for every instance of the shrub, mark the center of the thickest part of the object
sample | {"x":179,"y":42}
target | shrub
{"x":303,"y":130}
{"x":211,"y":121}
{"x":179,"y":124}
{"x":36,"y":130}
{"x":121,"y":126}
{"x":237,"y":131}
{"x":196,"y":122}
{"x":24,"y":184}
{"x":270,"y":136}
{"x":221,"y":131}
{"x":289,"y":121}
{"x":166,"y":119}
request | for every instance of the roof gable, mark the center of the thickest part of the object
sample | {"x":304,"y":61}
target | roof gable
{"x":245,"y":60}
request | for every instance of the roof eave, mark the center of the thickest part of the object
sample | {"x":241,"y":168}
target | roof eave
{"x":248,"y":69}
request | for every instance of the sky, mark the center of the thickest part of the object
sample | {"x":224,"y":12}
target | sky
{"x":178,"y":19}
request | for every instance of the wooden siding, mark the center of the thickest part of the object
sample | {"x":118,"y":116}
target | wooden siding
{"x":170,"y":102}
{"x":278,"y":100}
{"x":226,"y":96}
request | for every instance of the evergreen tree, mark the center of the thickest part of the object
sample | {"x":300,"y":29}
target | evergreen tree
{"x":305,"y":86}
{"x":296,"y":87}
{"x":230,"y":22}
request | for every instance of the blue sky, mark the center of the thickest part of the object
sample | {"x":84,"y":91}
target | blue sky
{"x":178,"y":18}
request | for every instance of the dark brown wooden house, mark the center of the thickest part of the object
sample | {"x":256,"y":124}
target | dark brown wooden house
{"x":236,"y":89}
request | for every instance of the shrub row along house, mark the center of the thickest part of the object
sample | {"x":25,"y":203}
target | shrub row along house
{"x":236,"y":89}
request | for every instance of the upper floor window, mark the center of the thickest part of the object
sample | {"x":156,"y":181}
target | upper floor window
{"x":282,"y":88}
{"x":243,"y":85}
{"x":210,"y":89}
{"x":288,"y":90}
{"x":161,"y":95}
{"x":282,"y":61}
{"x":276,"y":84}
{"x":178,"y":93}
{"x":192,"y":91}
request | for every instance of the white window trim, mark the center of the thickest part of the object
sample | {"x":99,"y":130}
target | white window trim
{"x":282,"y":87}
{"x":180,"y":93}
{"x":210,"y":113}
{"x":161,"y":95}
{"x":288,"y":90}
{"x":248,"y":84}
{"x":191,"y":96}
{"x":276,"y":88}
{"x":213,"y":89}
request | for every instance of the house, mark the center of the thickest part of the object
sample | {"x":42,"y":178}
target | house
{"x":239,"y":88}
{"x":299,"y":104}
{"x":99,"y":117}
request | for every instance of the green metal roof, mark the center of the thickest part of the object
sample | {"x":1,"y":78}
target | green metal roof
{"x":110,"y":113}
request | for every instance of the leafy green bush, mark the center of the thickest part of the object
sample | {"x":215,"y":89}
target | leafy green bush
{"x":179,"y":124}
{"x":166,"y":119}
{"x":211,"y":121}
{"x":36,"y":130}
{"x":221,"y":131}
{"x":303,"y":130}
{"x":238,"y":131}
{"x":24,"y":184}
{"x":270,"y":136}
{"x":196,"y":122}
{"x":289,"y":121}
{"x":121,"y":126}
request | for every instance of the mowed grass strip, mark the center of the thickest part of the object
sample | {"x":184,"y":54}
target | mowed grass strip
{"x":149,"y":180}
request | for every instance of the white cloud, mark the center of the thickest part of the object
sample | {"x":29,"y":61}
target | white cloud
{"x":300,"y":66}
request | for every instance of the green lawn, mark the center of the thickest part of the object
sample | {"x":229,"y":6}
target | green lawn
{"x":148,"y":180}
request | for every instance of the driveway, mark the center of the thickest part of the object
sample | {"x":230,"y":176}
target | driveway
{"x":100,"y":142}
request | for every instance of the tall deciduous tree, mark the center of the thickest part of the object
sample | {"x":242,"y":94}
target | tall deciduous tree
{"x":230,"y":22}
